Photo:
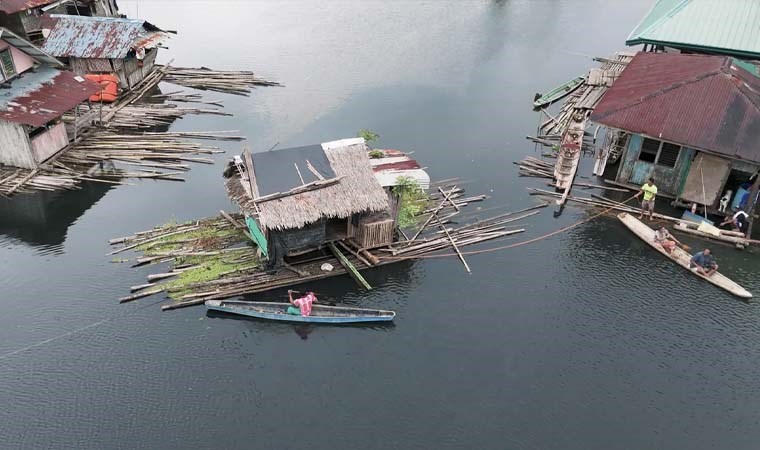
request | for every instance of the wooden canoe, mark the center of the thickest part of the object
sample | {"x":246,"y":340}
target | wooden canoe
{"x":558,"y":92}
{"x":319,"y":313}
{"x":679,"y":256}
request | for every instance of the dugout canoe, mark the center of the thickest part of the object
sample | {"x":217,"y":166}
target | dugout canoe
{"x":558,"y":92}
{"x":319,"y":313}
{"x":680,"y":256}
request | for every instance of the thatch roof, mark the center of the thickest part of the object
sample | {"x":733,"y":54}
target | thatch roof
{"x":356,"y":191}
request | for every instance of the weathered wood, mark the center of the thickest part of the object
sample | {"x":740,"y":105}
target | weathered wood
{"x":130,"y":298}
{"x":454,"y":245}
{"x":349,"y":267}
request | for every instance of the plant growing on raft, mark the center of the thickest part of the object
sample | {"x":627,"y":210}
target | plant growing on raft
{"x":412,"y":200}
{"x":376,"y":154}
{"x":368,"y":135}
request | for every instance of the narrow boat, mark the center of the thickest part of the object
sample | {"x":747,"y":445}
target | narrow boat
{"x":558,"y":92}
{"x":680,"y":256}
{"x":319,"y":313}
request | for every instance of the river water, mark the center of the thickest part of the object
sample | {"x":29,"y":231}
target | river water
{"x":588,"y":340}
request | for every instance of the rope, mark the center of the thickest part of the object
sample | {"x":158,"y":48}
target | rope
{"x":73,"y":332}
{"x":517,"y":244}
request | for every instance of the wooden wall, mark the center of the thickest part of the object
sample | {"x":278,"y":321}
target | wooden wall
{"x":21,"y":60}
{"x":15,"y":148}
{"x":669,"y":180}
{"x":46,"y":144}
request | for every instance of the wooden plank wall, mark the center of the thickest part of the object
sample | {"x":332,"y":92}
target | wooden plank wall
{"x":15,"y":148}
{"x":46,"y":144}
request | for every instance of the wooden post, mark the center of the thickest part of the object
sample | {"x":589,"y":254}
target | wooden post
{"x":751,"y":203}
{"x":349,"y":267}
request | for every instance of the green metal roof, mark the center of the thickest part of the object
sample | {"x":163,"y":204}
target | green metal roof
{"x":729,"y":27}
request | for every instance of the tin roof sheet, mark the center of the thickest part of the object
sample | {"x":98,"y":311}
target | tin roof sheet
{"x":705,"y":102}
{"x":28,"y":48}
{"x":100,"y":37}
{"x":711,"y":26}
{"x":43,"y":95}
{"x":14,"y":6}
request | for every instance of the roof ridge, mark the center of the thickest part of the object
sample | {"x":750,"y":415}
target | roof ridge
{"x":659,"y":20}
{"x":664,"y":90}
{"x":755,"y":100}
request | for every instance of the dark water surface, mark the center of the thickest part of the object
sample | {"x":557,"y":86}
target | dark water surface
{"x":588,"y":340}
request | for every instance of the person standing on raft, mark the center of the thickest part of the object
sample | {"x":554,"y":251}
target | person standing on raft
{"x":301,"y":305}
{"x":650,"y":192}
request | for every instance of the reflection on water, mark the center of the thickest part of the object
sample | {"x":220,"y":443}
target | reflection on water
{"x":43,"y":219}
{"x":580,"y":341}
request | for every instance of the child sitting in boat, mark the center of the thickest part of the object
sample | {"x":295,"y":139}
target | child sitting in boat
{"x":301,"y":305}
{"x":703,"y":263}
{"x":663,"y":237}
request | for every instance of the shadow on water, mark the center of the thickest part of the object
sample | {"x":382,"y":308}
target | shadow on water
{"x":43,"y":219}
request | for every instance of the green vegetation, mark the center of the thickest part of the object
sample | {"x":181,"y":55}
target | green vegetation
{"x":413,"y":201}
{"x":376,"y":154}
{"x":368,"y":135}
{"x":209,"y":248}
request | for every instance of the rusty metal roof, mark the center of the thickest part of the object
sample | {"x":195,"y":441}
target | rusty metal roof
{"x":38,"y":97}
{"x":100,"y":37}
{"x":704,"y":102}
{"x":14,"y":6}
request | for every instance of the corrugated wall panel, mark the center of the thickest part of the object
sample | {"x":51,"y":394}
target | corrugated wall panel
{"x":15,"y":149}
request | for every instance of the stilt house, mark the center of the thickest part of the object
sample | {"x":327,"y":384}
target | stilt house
{"x":690,"y":121}
{"x":27,"y":18}
{"x":298,"y":200}
{"x":35,"y":92}
{"x":728,"y":27}
{"x":98,"y":45}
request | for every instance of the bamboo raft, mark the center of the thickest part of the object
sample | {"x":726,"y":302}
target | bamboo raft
{"x":247,"y":276}
{"x":229,"y":82}
{"x":120,"y":134}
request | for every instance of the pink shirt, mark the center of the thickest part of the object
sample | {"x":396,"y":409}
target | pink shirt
{"x":304,"y":303}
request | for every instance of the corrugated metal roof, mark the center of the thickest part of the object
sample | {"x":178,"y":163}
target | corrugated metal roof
{"x":704,"y":102}
{"x":28,"y":48}
{"x":38,"y":97}
{"x":14,"y":6}
{"x":100,"y":37}
{"x":711,"y":26}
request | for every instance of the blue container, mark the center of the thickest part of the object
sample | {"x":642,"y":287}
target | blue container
{"x":740,"y":199}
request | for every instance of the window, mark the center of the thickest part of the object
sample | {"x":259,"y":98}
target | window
{"x":7,"y":68}
{"x":659,"y":152}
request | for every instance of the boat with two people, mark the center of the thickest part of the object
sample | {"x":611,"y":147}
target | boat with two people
{"x":680,"y":256}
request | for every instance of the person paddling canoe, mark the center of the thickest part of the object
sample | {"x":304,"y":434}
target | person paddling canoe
{"x":301,"y":305}
{"x":668,"y":242}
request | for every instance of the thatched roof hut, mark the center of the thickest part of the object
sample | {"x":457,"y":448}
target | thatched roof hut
{"x":293,"y":188}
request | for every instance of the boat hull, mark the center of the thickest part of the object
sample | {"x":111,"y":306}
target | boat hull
{"x":319,"y":313}
{"x":559,"y":92}
{"x":681,"y":257}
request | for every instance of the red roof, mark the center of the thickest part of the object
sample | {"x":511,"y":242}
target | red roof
{"x":703,"y":102}
{"x":14,"y":6}
{"x":49,"y":100}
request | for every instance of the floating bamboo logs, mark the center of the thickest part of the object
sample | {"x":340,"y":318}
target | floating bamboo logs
{"x":230,"y":82}
{"x":250,"y":278}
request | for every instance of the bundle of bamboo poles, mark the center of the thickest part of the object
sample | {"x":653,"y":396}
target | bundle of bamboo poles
{"x":230,"y":82}
{"x":150,"y":115}
{"x":534,"y":167}
{"x":247,"y":277}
